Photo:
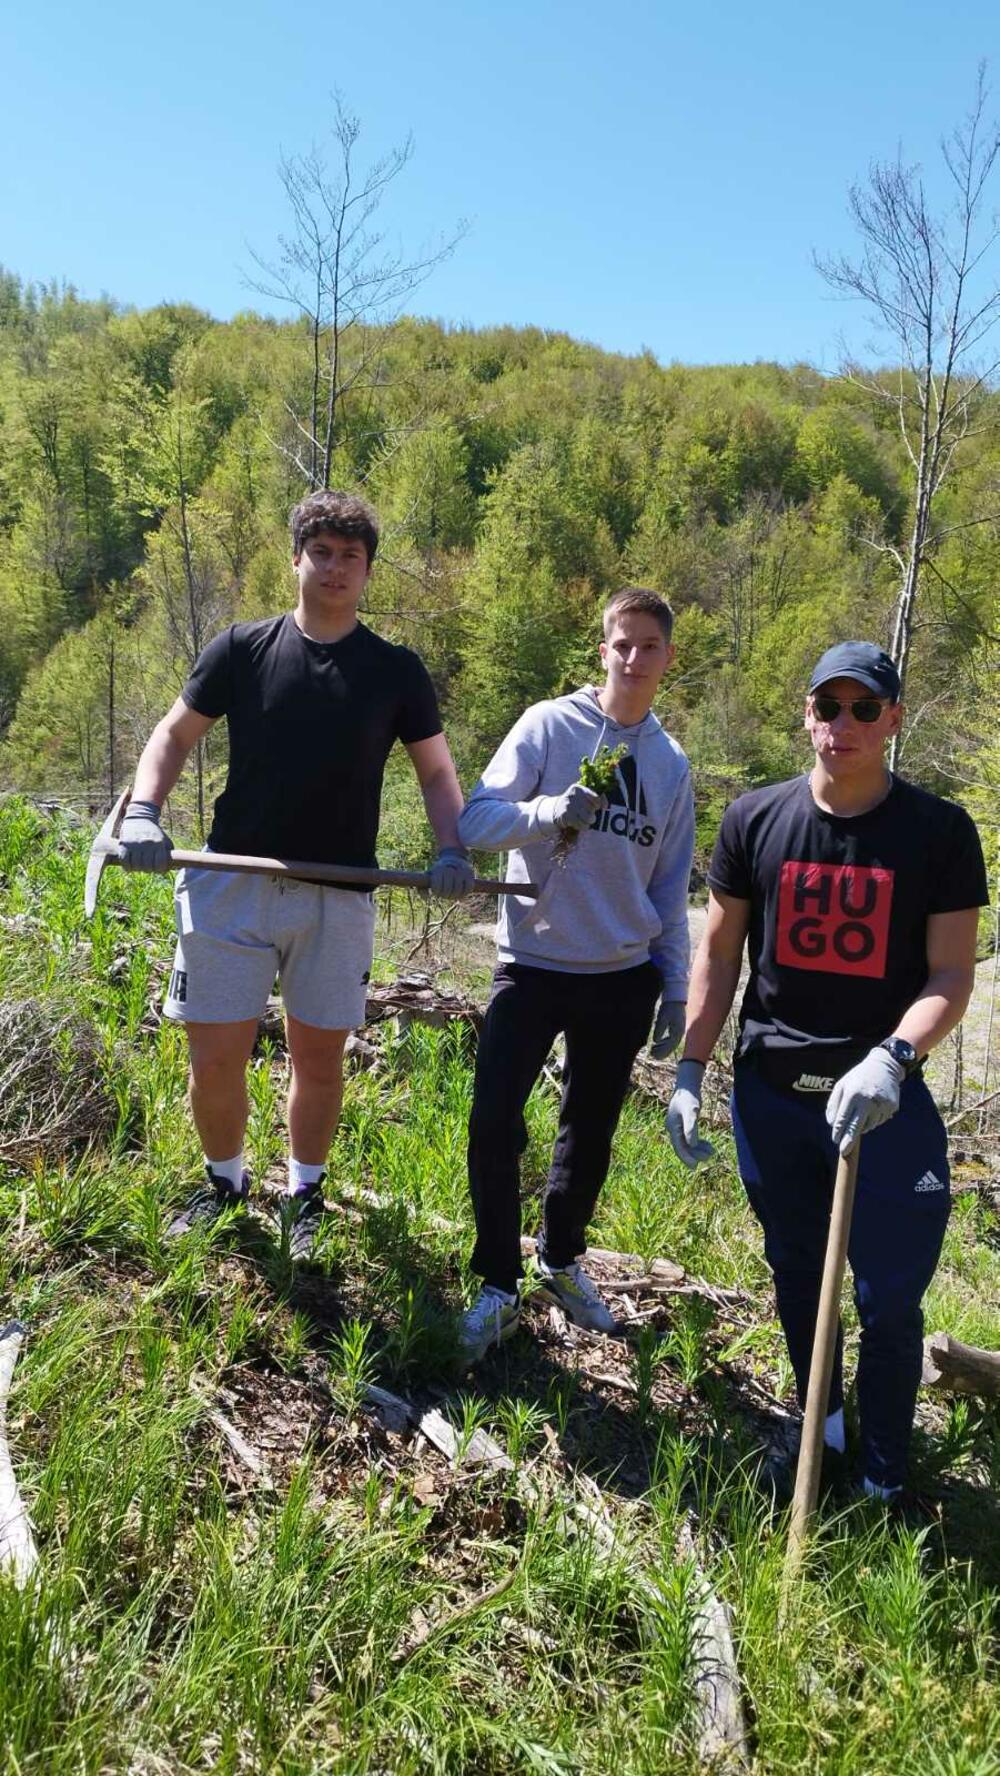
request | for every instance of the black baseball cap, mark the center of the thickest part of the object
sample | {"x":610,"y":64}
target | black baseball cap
{"x":862,"y":660}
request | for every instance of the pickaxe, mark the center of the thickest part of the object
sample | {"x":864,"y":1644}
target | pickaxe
{"x":105,"y":850}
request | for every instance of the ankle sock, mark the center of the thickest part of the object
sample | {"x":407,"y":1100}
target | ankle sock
{"x":504,"y":1294}
{"x":834,"y":1434}
{"x":873,"y":1490}
{"x":229,"y":1169}
{"x":302,"y":1177}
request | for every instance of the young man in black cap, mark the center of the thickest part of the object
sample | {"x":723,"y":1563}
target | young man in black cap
{"x":859,"y":895}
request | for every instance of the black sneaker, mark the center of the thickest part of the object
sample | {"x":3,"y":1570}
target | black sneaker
{"x":207,"y":1202}
{"x":301,"y":1216}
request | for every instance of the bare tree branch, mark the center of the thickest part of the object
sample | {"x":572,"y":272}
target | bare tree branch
{"x":919,"y":274}
{"x":334,"y":269}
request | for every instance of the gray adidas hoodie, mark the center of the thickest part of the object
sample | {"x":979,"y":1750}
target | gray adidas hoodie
{"x":621,"y":895}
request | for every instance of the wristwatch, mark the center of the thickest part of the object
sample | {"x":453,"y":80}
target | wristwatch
{"x":903,"y":1052}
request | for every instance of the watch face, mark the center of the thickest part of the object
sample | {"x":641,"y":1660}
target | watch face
{"x":901,"y":1051}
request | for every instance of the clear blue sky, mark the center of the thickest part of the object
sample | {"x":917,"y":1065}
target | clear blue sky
{"x":637,"y":175}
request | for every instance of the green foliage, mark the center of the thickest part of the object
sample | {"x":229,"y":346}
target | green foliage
{"x":599,"y":773}
{"x":148,"y":463}
{"x":370,"y":1607}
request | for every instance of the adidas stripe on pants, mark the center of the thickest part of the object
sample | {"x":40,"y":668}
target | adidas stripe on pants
{"x":787,"y":1162}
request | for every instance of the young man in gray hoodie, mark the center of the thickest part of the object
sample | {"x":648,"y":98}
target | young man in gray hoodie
{"x":605,"y":938}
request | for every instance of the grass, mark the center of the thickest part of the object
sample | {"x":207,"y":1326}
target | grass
{"x":184,"y":1618}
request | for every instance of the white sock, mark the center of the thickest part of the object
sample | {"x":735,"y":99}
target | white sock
{"x":834,"y":1435}
{"x":301,"y":1176}
{"x":230,"y":1169}
{"x":873,"y":1490}
{"x":491,"y":1289}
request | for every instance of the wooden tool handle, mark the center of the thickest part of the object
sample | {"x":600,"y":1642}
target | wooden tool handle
{"x":334,"y":872}
{"x":807,"y":1474}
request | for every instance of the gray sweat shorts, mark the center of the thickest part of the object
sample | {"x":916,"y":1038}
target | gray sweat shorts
{"x":236,"y":933}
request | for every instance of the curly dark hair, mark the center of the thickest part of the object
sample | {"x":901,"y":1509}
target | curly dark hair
{"x":639,"y":598}
{"x":343,"y":514}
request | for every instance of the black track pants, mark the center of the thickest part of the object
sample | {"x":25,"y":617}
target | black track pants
{"x":605,"y":1019}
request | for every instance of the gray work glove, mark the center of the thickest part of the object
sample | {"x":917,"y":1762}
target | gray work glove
{"x":865,"y":1098}
{"x":452,"y":874}
{"x":570,"y":812}
{"x":682,"y":1115}
{"x":668,"y":1028}
{"x":142,"y":842}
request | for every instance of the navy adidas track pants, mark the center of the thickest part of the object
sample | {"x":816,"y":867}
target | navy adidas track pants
{"x":787,"y":1162}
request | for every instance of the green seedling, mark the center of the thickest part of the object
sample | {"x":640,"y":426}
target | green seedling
{"x":598,"y":774}
{"x":352,"y":1367}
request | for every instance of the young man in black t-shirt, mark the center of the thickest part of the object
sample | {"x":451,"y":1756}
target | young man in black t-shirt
{"x":858,"y":895}
{"x":314,"y":702}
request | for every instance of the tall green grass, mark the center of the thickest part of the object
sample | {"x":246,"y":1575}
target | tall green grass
{"x":185,"y":1618}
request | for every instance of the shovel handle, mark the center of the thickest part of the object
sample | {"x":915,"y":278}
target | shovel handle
{"x":807,"y":1474}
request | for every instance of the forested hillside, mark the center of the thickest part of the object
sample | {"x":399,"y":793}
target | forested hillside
{"x":148,"y":461}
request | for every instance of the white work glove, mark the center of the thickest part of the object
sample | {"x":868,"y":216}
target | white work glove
{"x":142,"y":842}
{"x":570,"y":812}
{"x":865,"y":1098}
{"x":452,"y":874}
{"x":668,"y":1028}
{"x":682,"y":1115}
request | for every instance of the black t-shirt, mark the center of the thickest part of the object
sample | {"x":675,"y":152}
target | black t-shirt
{"x":311,"y":724}
{"x":838,"y":913}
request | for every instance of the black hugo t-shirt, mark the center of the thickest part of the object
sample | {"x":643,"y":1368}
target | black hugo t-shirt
{"x":311,"y":724}
{"x":838,"y":913}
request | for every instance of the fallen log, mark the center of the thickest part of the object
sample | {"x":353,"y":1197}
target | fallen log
{"x":18,"y":1553}
{"x":954,"y":1368}
{"x":722,"y":1727}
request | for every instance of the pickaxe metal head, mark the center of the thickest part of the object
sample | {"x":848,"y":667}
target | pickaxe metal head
{"x":105,"y":845}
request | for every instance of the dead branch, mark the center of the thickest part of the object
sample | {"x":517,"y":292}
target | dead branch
{"x":17,"y":1546}
{"x":235,"y":1439}
{"x":722,"y":1728}
{"x":980,"y":1104}
{"x":51,"y":1091}
{"x":421,"y":1630}
{"x":954,"y":1368}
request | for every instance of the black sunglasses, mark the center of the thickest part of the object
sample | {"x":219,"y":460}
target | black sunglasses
{"x":863,"y":709}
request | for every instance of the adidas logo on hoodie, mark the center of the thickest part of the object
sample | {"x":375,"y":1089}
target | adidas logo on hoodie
{"x":929,"y":1181}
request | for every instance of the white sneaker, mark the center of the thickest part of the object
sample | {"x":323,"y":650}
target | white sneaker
{"x":576,"y":1293}
{"x":493,"y":1318}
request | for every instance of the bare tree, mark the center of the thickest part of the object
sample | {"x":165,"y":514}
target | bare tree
{"x":335,"y":270}
{"x":929,"y":286}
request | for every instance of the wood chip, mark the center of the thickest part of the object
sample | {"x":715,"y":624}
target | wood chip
{"x":392,"y":1412}
{"x":244,"y":1451}
{"x":481,"y":1450}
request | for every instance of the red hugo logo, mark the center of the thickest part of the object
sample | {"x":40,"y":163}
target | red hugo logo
{"x":834,"y":917}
